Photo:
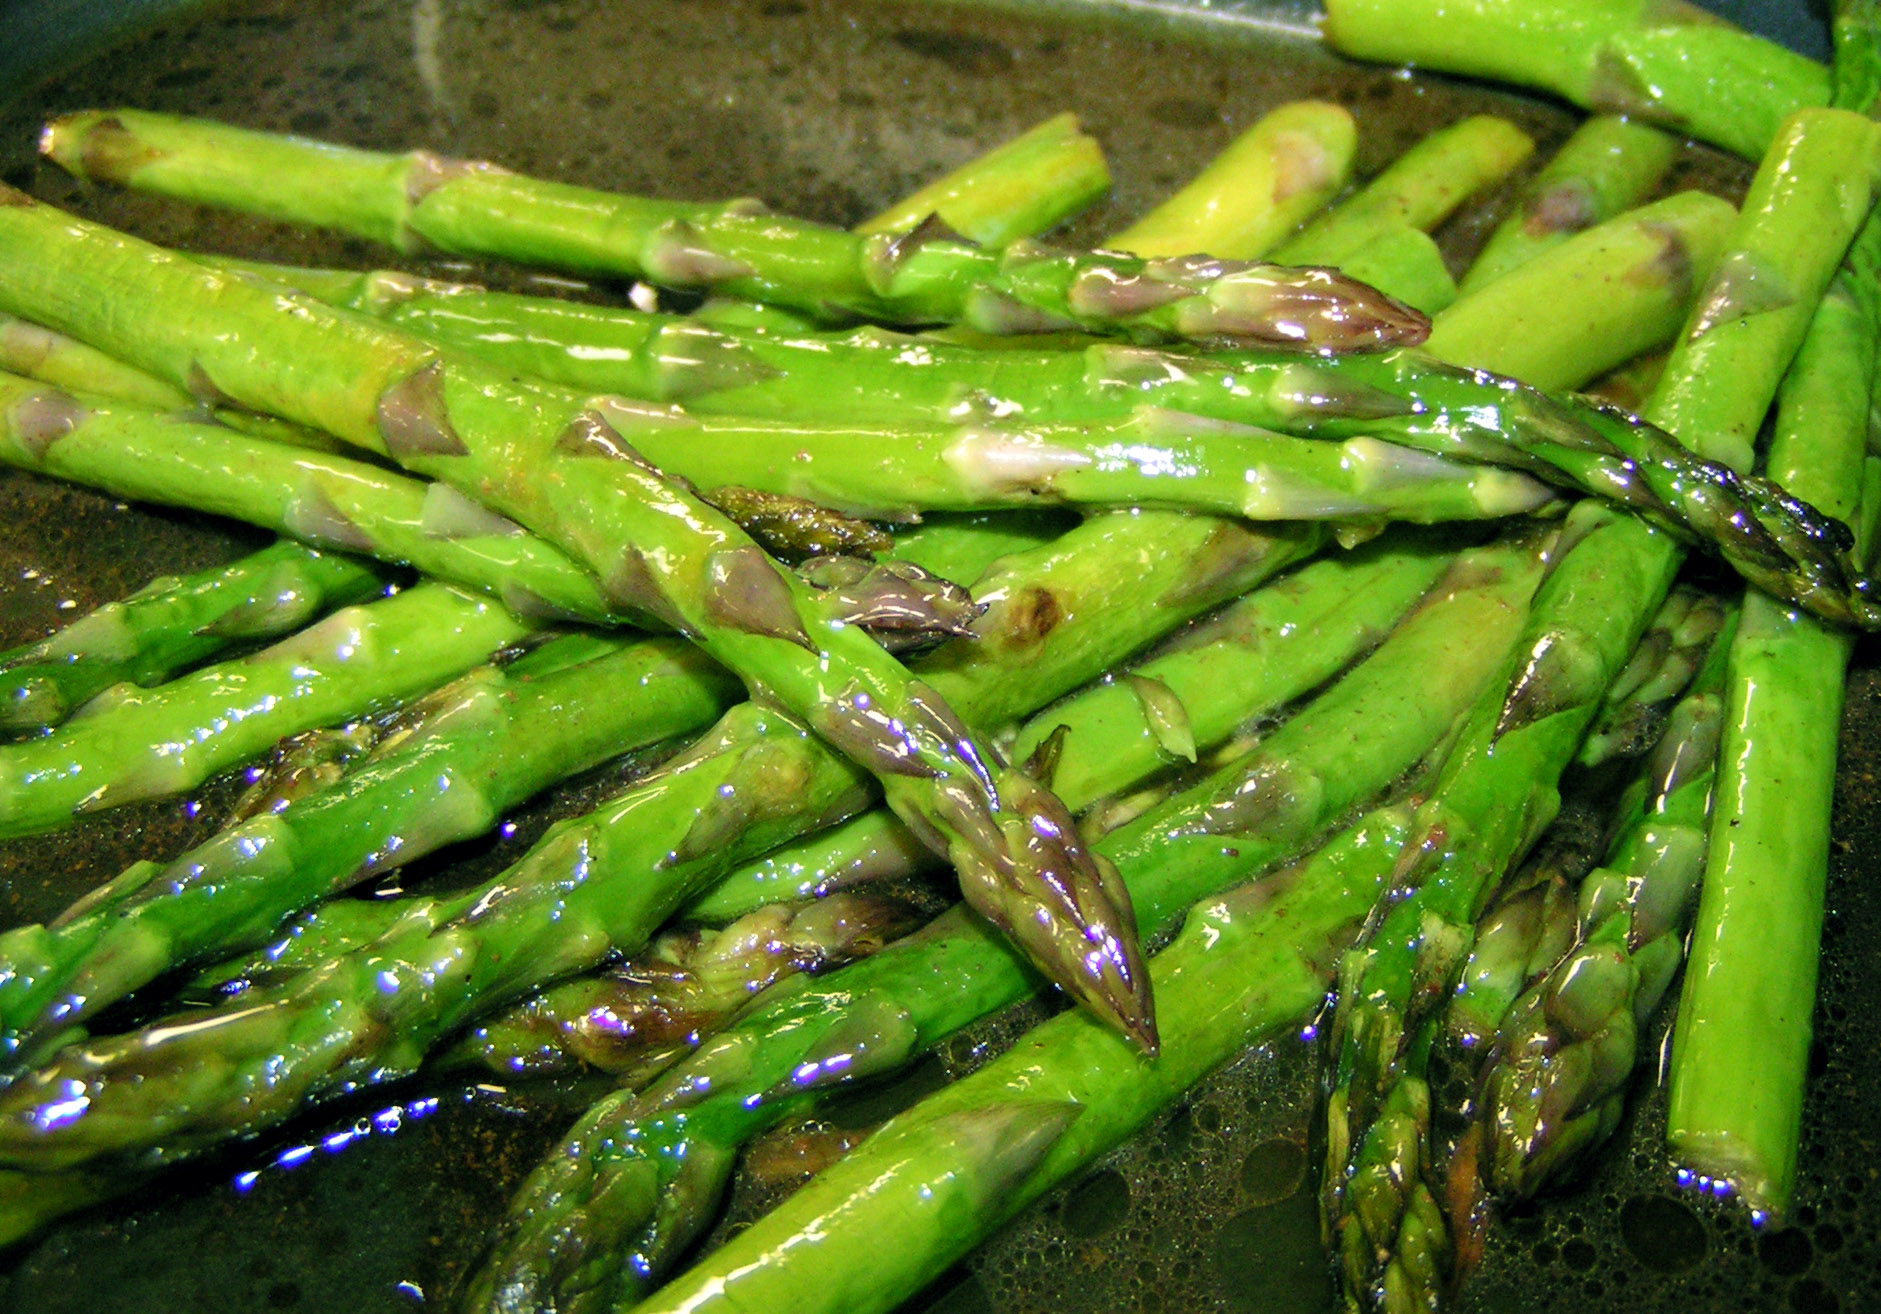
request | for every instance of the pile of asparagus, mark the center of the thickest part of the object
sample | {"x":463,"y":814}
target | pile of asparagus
{"x":796,"y":536}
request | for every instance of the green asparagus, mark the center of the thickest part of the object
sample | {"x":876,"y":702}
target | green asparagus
{"x":944,"y":1175}
{"x":171,"y":624}
{"x":154,"y":743}
{"x":476,"y":208}
{"x":566,"y":465}
{"x":636,"y":1181}
{"x":447,"y":768}
{"x":1664,"y":61}
{"x":1020,"y":188}
{"x":1610,"y":164}
{"x":1420,"y":188}
{"x":634,"y":1019}
{"x":604,"y":882}
{"x":1741,"y":1045}
{"x":1267,"y":182}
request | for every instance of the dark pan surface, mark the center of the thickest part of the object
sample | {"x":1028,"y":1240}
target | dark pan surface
{"x":829,"y":110}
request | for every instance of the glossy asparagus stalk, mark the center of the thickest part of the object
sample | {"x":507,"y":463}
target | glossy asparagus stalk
{"x":944,"y":1175}
{"x":1668,"y":63}
{"x":1555,"y":1077}
{"x":1492,"y":797}
{"x":1246,"y":661}
{"x":448,"y":767}
{"x":1020,"y":188}
{"x":636,"y":1018}
{"x":1760,"y":297}
{"x":639,"y":1175}
{"x":174,"y":623}
{"x":566,"y":465}
{"x":1610,"y":164}
{"x":471,"y":207}
{"x":605,"y":882}
{"x":1419,"y":189}
{"x":155,"y":743}
{"x":1741,"y":1044}
{"x":1269,"y":180}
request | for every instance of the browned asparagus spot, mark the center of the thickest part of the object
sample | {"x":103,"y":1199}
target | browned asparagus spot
{"x":1564,"y":206}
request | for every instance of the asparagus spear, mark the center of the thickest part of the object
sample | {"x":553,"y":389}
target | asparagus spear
{"x":139,"y":744}
{"x":38,"y":353}
{"x":1492,"y":796}
{"x":944,"y":1175}
{"x":1741,"y":1044}
{"x":332,"y":502}
{"x":472,"y":208}
{"x":1610,"y":164}
{"x":1669,"y":63}
{"x":1020,"y":188}
{"x":637,"y":1179}
{"x":1757,"y":304}
{"x":1633,"y":714}
{"x":445,"y":769}
{"x":1382,"y":1208}
{"x":1420,"y":188}
{"x":1628,"y":283}
{"x":603,"y":883}
{"x":638,"y":1017}
{"x":1405,"y":262}
{"x":1554,"y":1079}
{"x":1268,"y":181}
{"x":1401,"y":397}
{"x":566,"y":465}
{"x":171,"y":624}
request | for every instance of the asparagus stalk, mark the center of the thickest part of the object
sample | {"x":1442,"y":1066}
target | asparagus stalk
{"x":331,"y":502}
{"x":1758,"y":301}
{"x":172,"y":624}
{"x":603,"y":883}
{"x":141,"y":744}
{"x":637,"y":1018}
{"x":1402,"y":398}
{"x":1381,"y":1205}
{"x":1749,"y":993}
{"x":1405,"y":262}
{"x":1267,"y":182}
{"x":1610,"y":164}
{"x":1420,"y":189}
{"x":1669,"y":63}
{"x":1628,"y":284}
{"x":566,"y":465}
{"x":1554,"y":1080}
{"x":1633,"y":715}
{"x":475,"y":208}
{"x":1021,"y":188}
{"x":1493,"y":795}
{"x":638,"y":1177}
{"x":38,"y":353}
{"x":445,"y":770}
{"x":1279,"y":643}
{"x":947,"y":1173}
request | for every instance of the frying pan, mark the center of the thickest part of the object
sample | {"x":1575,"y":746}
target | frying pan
{"x":828,"y":109}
